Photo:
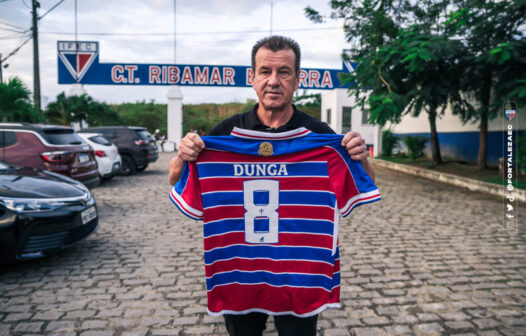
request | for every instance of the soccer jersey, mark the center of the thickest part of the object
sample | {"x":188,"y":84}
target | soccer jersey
{"x":270,"y":203}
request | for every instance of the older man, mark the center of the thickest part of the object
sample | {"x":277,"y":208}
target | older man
{"x":276,"y":66}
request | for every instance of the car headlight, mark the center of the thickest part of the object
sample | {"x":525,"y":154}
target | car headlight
{"x":21,"y":205}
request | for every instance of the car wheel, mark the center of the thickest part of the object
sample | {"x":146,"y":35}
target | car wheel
{"x":142,"y":167}
{"x":128,"y":165}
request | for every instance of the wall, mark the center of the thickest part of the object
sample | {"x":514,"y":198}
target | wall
{"x":337,"y":99}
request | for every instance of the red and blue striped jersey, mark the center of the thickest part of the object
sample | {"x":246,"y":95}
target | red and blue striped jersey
{"x":270,"y":203}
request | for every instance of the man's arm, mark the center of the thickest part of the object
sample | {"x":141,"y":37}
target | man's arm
{"x":189,"y":148}
{"x":355,"y":146}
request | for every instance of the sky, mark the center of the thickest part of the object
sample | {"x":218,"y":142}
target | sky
{"x":214,"y":32}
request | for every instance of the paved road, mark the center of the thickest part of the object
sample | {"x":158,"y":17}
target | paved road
{"x":429,"y":259}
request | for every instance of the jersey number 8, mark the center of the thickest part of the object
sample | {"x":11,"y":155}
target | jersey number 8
{"x":261,"y":209}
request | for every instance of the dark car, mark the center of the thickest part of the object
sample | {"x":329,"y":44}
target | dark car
{"x":49,"y":147}
{"x":136,"y":146}
{"x":41,"y":212}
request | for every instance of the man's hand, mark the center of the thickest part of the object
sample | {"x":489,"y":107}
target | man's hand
{"x":189,"y":148}
{"x":355,"y":146}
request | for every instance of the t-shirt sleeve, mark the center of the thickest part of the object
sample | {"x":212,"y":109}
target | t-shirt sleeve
{"x":349,"y":181}
{"x":186,"y":194}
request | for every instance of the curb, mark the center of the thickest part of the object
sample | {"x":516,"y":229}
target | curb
{"x":473,"y":185}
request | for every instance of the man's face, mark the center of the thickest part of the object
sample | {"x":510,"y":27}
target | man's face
{"x":275,"y":78}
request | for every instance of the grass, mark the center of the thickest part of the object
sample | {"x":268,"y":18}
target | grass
{"x":459,"y":168}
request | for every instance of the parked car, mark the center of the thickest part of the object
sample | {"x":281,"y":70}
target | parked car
{"x":49,"y":147}
{"x":136,"y":146}
{"x":41,"y":212}
{"x":106,"y":154}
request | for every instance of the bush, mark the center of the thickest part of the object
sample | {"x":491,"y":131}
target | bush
{"x":389,"y":142}
{"x":415,"y":146}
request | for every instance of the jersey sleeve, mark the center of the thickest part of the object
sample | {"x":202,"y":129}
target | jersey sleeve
{"x":186,"y":194}
{"x":351,"y":184}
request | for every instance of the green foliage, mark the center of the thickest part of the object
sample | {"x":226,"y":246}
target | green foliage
{"x":150,"y":115}
{"x":202,"y":117}
{"x":306,"y":99}
{"x":415,"y":146}
{"x":68,"y":109}
{"x":389,"y":143}
{"x":15,"y":103}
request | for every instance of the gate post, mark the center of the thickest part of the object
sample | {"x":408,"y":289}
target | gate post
{"x":175,"y":117}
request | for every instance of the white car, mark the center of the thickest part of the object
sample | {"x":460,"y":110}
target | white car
{"x":106,"y":154}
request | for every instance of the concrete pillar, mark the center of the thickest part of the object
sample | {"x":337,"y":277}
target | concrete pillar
{"x":175,"y":118}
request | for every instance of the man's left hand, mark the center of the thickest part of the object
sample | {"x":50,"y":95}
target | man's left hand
{"x":355,"y":146}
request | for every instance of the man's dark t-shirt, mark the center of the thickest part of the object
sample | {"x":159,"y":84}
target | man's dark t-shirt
{"x":250,"y":120}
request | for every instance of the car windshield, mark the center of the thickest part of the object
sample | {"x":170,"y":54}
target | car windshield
{"x":63,"y":137}
{"x":99,"y":139}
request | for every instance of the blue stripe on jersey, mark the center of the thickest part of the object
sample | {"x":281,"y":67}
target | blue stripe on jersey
{"x":285,"y":225}
{"x":361,"y":179}
{"x":273,"y":279}
{"x":321,"y":198}
{"x":294,"y":169}
{"x":269,"y":252}
{"x":183,"y":180}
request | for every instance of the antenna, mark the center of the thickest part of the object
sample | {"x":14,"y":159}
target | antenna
{"x":175,"y":38}
{"x":271,"y":14}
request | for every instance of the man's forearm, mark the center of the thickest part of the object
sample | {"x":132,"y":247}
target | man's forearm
{"x":368,"y":168}
{"x":176,"y":169}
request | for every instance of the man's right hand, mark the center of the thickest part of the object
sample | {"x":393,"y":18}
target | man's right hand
{"x":189,"y":148}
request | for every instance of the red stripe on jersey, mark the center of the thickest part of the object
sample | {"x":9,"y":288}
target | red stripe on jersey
{"x":285,"y":239}
{"x":285,"y":211}
{"x":274,"y":266}
{"x":288,"y":183}
{"x":184,"y":206}
{"x":240,"y":298}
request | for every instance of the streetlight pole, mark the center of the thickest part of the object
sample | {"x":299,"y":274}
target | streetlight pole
{"x":36,"y":67}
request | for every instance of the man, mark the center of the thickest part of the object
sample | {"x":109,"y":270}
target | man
{"x":276,"y":66}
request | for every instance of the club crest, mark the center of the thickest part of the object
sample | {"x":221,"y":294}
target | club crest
{"x":510,"y":114}
{"x":265,"y":149}
{"x":78,"y":56}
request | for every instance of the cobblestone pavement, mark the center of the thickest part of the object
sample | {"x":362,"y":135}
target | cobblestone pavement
{"x":429,"y":259}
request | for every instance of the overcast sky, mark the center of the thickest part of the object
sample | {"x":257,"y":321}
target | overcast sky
{"x":208,"y":32}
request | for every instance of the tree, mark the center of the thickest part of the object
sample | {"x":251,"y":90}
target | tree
{"x":15,"y":102}
{"x":414,"y":73}
{"x":66,"y":110}
{"x":407,"y":60}
{"x":150,"y":115}
{"x":496,"y":61}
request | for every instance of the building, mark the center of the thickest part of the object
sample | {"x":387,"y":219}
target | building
{"x":457,"y":140}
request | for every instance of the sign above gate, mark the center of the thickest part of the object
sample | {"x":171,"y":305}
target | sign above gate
{"x":78,"y":62}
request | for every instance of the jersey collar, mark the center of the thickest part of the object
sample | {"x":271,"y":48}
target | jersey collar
{"x":256,"y":135}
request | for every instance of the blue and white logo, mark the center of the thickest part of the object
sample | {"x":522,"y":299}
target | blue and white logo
{"x":77,"y":57}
